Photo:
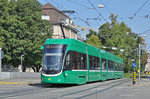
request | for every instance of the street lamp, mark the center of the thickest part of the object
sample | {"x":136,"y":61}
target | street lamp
{"x":21,"y":61}
{"x":100,"y":6}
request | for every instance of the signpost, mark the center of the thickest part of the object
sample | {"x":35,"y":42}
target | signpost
{"x":134,"y":65}
{"x":134,"y":73}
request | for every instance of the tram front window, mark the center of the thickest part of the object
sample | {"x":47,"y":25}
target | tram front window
{"x":53,"y":58}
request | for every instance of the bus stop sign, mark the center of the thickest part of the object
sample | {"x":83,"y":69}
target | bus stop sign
{"x":134,"y":65}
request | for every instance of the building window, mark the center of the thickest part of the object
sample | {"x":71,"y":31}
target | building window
{"x":45,"y":17}
{"x":52,"y":29}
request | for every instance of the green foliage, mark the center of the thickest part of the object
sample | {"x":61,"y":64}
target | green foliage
{"x":22,"y":32}
{"x":94,"y":40}
{"x":115,"y":34}
{"x":91,"y":32}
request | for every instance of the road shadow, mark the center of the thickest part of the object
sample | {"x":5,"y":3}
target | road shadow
{"x":52,"y":85}
{"x":65,"y":85}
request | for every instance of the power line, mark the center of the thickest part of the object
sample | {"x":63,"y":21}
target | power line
{"x":139,"y":9}
{"x":55,"y":3}
{"x":105,"y":6}
{"x":145,"y":32}
{"x":96,"y":10}
{"x":79,"y":4}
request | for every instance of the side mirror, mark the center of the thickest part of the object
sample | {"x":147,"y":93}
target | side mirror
{"x":42,"y":47}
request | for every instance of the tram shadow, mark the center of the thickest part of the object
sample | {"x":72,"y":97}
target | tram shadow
{"x":52,"y":85}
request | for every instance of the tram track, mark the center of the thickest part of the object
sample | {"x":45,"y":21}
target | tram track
{"x":23,"y":92}
{"x":50,"y":89}
{"x":101,"y":90}
{"x":77,"y":92}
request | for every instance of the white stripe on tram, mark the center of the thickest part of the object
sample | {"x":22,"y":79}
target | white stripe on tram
{"x":53,"y":54}
{"x":78,"y":70}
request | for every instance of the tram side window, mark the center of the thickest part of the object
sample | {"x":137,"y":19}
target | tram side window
{"x":78,"y":56}
{"x":104,"y":64}
{"x":122,"y":67}
{"x":78,"y":60}
{"x":91,"y":62}
{"x":98,"y":63}
{"x":119,"y":67}
{"x":115,"y":66}
{"x":110,"y":65}
{"x":73,"y":60}
{"x":83,"y":61}
{"x":67,"y":65}
{"x":94,"y":62}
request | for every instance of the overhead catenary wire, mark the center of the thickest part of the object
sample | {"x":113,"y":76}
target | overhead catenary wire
{"x":139,"y":9}
{"x":55,"y":3}
{"x":144,"y":32}
{"x":97,"y":10}
{"x":106,"y":7}
{"x":79,"y":4}
{"x":142,"y":16}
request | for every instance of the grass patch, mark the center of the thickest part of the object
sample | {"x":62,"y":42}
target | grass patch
{"x":130,"y":75}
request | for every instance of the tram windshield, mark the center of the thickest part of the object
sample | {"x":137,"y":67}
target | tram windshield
{"x":53,"y":58}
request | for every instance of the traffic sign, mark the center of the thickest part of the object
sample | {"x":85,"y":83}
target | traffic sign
{"x":134,"y":65}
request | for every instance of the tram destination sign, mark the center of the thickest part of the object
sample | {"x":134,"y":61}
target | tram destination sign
{"x":54,"y":46}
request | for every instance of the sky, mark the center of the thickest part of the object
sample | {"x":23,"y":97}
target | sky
{"x":135,"y":13}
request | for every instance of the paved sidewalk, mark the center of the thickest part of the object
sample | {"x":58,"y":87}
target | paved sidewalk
{"x":143,"y":82}
{"x":20,"y":81}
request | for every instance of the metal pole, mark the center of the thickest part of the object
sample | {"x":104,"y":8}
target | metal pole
{"x":0,"y":62}
{"x":21,"y":62}
{"x":139,"y":65}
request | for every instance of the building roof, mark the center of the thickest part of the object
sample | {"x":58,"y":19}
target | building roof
{"x":54,"y":20}
{"x":49,"y":6}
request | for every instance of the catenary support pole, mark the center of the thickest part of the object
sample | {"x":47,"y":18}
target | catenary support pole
{"x":139,"y":64}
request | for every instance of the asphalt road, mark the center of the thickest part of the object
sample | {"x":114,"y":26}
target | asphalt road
{"x":112,"y":89}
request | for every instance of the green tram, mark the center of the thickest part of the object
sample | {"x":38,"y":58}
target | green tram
{"x":69,"y":61}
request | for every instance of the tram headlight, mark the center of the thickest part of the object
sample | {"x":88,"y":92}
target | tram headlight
{"x":66,"y":74}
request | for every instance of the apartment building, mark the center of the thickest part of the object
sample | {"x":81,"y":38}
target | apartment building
{"x":55,"y":16}
{"x":147,"y":67}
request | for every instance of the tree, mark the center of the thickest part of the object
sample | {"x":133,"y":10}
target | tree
{"x":94,"y":40}
{"x":91,"y":32}
{"x":23,"y":32}
{"x":115,"y":34}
